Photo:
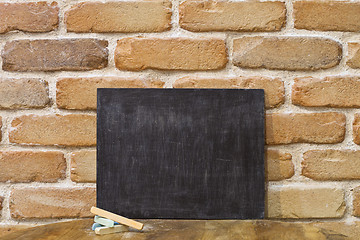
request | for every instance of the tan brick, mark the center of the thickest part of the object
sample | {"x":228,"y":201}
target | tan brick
{"x":327,"y":16}
{"x":55,"y":55}
{"x":83,"y":166}
{"x":52,"y":202}
{"x":28,"y":166}
{"x":278,"y":165}
{"x":29,"y":17}
{"x":338,"y":91}
{"x":0,"y":128}
{"x":23,"y":93}
{"x":80,"y":93}
{"x":274,"y":87}
{"x":1,"y":203}
{"x":356,"y":202}
{"x":353,"y":55}
{"x":286,"y":53}
{"x":200,"y":16}
{"x":285,"y":128}
{"x":137,"y":54}
{"x":331,"y":164}
{"x":64,"y":130}
{"x":356,"y":128}
{"x":130,"y":16}
{"x":306,"y":203}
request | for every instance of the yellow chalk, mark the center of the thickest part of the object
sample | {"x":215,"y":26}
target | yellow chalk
{"x":116,"y":218}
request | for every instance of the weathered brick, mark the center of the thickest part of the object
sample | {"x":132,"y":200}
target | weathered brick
{"x":338,"y":91}
{"x":274,"y":87}
{"x":130,"y":16}
{"x":331,"y":164}
{"x":353,"y":55}
{"x":356,"y":128}
{"x":327,"y":16}
{"x":80,"y":93}
{"x":1,"y":203}
{"x":206,"y":15}
{"x":286,"y":53}
{"x":52,"y":202}
{"x":278,"y":165}
{"x":55,"y":55}
{"x":29,"y":17}
{"x":137,"y":54}
{"x":64,"y":130}
{"x":29,"y":166}
{"x":83,"y":166}
{"x":306,"y":203}
{"x":356,"y":202}
{"x":0,"y":128}
{"x":285,"y":128}
{"x":23,"y":93}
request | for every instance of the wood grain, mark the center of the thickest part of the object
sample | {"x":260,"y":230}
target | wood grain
{"x":196,"y":230}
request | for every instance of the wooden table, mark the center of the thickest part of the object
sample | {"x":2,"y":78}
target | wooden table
{"x":194,"y":229}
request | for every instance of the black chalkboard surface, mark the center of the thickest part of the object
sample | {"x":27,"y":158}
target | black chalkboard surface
{"x":181,"y":153}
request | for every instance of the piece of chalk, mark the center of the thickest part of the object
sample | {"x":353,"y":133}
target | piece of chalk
{"x":96,"y":225}
{"x":117,"y":218}
{"x":109,"y":230}
{"x":104,"y":221}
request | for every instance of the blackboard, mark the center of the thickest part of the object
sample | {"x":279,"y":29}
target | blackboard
{"x":181,"y":153}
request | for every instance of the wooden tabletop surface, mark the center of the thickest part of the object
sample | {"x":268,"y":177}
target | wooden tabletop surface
{"x":192,"y":229}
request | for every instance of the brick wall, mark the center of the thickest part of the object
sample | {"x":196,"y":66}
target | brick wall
{"x":305,"y":54}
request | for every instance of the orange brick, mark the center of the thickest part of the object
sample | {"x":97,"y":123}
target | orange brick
{"x":0,"y":128}
{"x":286,"y":53}
{"x":353,"y":55}
{"x":356,"y":202}
{"x":83,"y":166}
{"x":1,"y":203}
{"x":306,"y":203}
{"x":278,"y":165}
{"x":23,"y":93}
{"x":137,"y":54}
{"x":331,"y":164}
{"x":285,"y":128}
{"x":64,"y":130}
{"x":80,"y":93}
{"x":29,"y":17}
{"x":79,"y":54}
{"x":28,"y":166}
{"x":200,"y":16}
{"x":356,"y":128}
{"x":129,"y":16}
{"x":52,"y":202}
{"x":327,"y":15}
{"x":274,"y":87}
{"x":339,"y":91}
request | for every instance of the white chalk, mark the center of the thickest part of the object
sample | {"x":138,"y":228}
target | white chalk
{"x":104,"y":221}
{"x":109,"y":230}
{"x":117,"y":218}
